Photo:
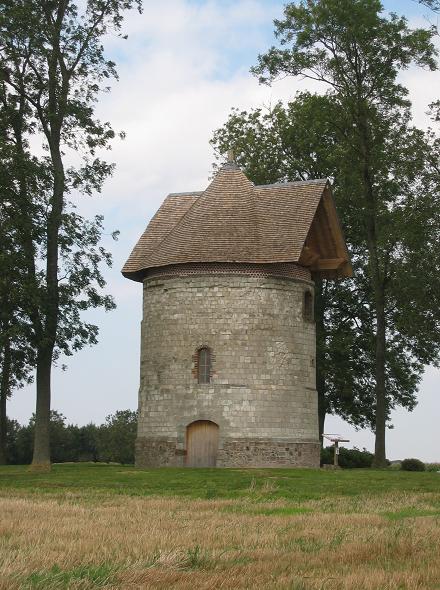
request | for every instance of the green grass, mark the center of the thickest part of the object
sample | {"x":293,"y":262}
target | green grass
{"x":56,"y":578}
{"x":411,"y":512}
{"x":289,"y":484}
{"x":92,"y":526}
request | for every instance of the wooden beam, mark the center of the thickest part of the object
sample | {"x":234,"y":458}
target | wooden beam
{"x":326,"y":231}
{"x":324,"y":250}
{"x":329,"y":263}
{"x":308,"y":256}
{"x":334,"y":224}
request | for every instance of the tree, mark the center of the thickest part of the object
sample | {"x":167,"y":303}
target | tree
{"x":306,"y":140}
{"x":68,"y":442}
{"x":434,"y":5}
{"x":52,"y":59}
{"x":357,"y":53}
{"x":16,"y":354}
{"x":21,"y":440}
{"x":117,"y":437}
{"x":84,"y":442}
{"x":298,"y":142}
{"x":20,"y":443}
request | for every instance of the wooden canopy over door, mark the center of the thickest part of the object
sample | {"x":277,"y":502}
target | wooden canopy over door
{"x":201,"y":444}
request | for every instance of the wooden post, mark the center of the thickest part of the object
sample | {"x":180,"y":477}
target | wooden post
{"x":336,"y":455}
{"x":335,"y":439}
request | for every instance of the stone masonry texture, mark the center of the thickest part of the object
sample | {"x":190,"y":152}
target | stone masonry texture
{"x":262,"y":393}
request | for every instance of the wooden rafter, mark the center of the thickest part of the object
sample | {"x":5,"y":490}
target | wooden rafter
{"x":324,"y":250}
{"x":328,"y":263}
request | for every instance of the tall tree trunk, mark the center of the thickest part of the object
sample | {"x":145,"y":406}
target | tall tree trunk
{"x":322,"y":409}
{"x":3,"y":428}
{"x":377,"y":283}
{"x":41,"y":456}
{"x":380,"y":355}
{"x":52,"y":129}
{"x":381,"y":402}
{"x":39,"y":311}
{"x":320,"y":355}
{"x":380,"y":344}
{"x":4,"y":392}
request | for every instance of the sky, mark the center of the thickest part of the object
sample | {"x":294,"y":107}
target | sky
{"x":183,"y":67}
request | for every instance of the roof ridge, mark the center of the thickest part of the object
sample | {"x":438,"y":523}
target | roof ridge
{"x":277,"y":184}
{"x":293,"y":182}
{"x":185,"y":194}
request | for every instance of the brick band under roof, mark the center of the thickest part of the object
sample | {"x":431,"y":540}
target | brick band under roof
{"x":282,"y":270}
{"x":232,"y":221}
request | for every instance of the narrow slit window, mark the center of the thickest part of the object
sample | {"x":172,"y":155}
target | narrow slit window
{"x":308,"y":306}
{"x":204,"y":365}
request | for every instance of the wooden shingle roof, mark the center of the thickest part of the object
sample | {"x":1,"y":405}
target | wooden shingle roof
{"x":235,"y":221}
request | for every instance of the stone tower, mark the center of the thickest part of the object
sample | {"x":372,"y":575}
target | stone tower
{"x":228,"y":337}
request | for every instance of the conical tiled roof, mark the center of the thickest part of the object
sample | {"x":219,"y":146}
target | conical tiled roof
{"x":234,"y":221}
{"x":221,"y":225}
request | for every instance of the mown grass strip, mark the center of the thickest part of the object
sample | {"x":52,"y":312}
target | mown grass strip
{"x":297,"y":485}
{"x":410,"y":513}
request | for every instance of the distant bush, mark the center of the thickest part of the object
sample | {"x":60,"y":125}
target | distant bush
{"x":395,"y":465}
{"x":117,"y":437}
{"x":412,"y":465}
{"x":348,"y":458}
{"x":432,"y":466}
{"x":109,"y":442}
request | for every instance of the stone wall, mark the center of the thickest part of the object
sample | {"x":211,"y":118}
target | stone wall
{"x":268,"y":453}
{"x":262,"y":393}
{"x":156,"y":452}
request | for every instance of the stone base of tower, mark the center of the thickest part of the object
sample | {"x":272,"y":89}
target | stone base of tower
{"x":268,"y":453}
{"x":154,"y":452}
{"x":242,"y":452}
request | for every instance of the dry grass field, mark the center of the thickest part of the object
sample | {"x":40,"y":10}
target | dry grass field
{"x":88,"y":527}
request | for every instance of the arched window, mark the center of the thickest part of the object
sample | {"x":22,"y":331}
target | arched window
{"x":204,"y":365}
{"x":308,"y":306}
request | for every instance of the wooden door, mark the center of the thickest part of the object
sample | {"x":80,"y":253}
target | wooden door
{"x":201,"y":444}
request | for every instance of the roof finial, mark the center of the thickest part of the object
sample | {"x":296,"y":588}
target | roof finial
{"x":231,"y":156}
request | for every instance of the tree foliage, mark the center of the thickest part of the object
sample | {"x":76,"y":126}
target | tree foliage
{"x":16,"y":354}
{"x":52,"y":71}
{"x":117,"y":437}
{"x":348,"y":458}
{"x":434,"y":5}
{"x":412,"y":465}
{"x":112,"y":441}
{"x":357,"y":53}
{"x":305,"y":139}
